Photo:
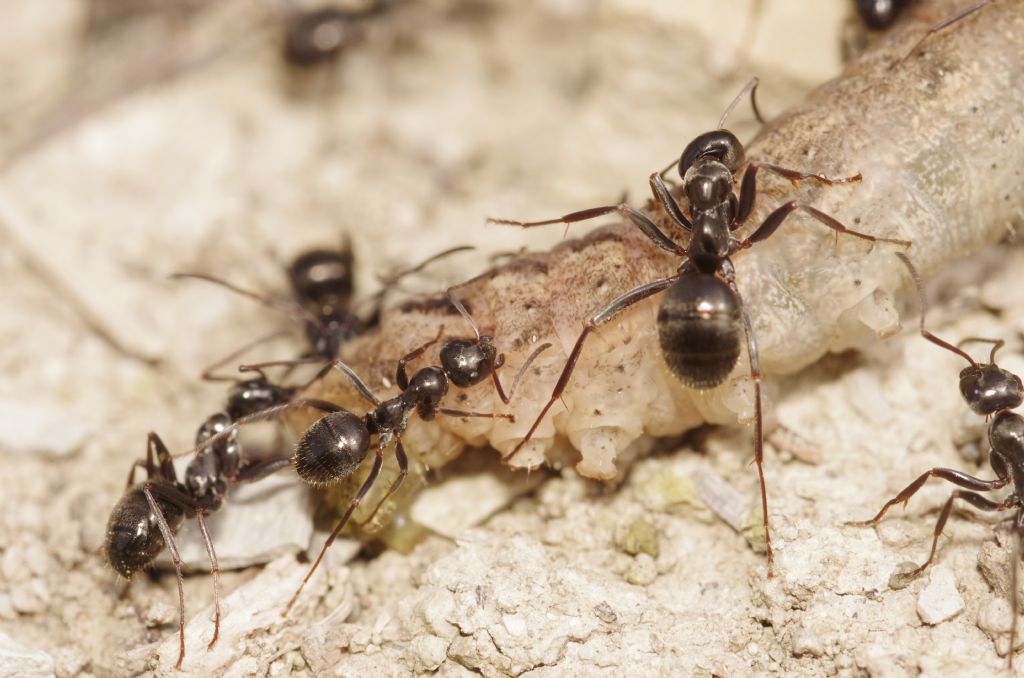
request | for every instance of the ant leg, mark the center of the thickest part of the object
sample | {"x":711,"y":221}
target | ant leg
{"x":388,"y":283}
{"x":664,"y":198}
{"x":401,"y":377}
{"x":448,"y":412}
{"x":264,"y":415}
{"x":975,"y":500}
{"x":755,"y":377}
{"x":945,"y":23}
{"x":601,"y":317}
{"x":208,"y":374}
{"x":260,"y":470}
{"x":215,"y":571}
{"x":158,"y":463}
{"x":639,"y":219}
{"x":1018,"y":535}
{"x":748,"y":188}
{"x":370,"y":479}
{"x":775,"y":219}
{"x":165,"y":530}
{"x":958,"y":478}
{"x":403,"y":471}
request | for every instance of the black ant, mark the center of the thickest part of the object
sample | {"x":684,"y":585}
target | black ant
{"x":322,"y":285}
{"x":146,"y":518}
{"x":702,"y":312}
{"x":148,"y":515}
{"x":335,"y":445}
{"x":318,"y":36}
{"x":992,"y":392}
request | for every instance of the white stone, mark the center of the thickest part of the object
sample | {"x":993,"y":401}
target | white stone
{"x":940,"y":600}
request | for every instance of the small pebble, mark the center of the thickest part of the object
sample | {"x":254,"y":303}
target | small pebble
{"x":21,"y":661}
{"x":643,"y":571}
{"x":939,"y":600}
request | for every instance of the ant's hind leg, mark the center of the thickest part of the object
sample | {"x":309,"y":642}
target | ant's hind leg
{"x":371,"y":478}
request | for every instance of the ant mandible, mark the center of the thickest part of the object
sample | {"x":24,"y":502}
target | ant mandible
{"x":701,"y":315}
{"x":993,"y":392}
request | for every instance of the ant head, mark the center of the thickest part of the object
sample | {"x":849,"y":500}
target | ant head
{"x":468,"y":362}
{"x":721,"y":145}
{"x":332,"y":448}
{"x":988,"y":388}
{"x":323,"y":277}
{"x":133,"y":536}
{"x":426,"y":389}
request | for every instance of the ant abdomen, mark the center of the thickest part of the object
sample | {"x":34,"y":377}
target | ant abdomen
{"x":990,"y":388}
{"x":133,"y":537}
{"x":332,"y":448}
{"x":699,"y":330}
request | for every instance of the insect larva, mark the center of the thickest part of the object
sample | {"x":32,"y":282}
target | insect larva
{"x":939,"y":142}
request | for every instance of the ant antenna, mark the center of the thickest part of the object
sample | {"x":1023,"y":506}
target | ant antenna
{"x":463,"y":312}
{"x":749,"y":87}
{"x":209,"y":373}
{"x":522,"y":370}
{"x":924,"y":309}
{"x":388,"y":282}
{"x":295,"y":311}
{"x":996,"y":345}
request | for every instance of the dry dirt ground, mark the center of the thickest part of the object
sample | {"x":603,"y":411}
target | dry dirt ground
{"x":148,"y":141}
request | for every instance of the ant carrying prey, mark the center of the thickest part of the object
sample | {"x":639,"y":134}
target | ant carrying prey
{"x":702,"y":314}
{"x":992,"y":392}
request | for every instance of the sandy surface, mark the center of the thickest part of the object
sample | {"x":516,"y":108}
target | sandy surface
{"x":199,"y":151}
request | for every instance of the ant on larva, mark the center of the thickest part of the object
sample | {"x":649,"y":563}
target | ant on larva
{"x":992,"y":392}
{"x":337,"y":443}
{"x":702,"y":313}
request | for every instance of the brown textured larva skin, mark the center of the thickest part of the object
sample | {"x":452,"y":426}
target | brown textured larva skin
{"x":940,"y":143}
